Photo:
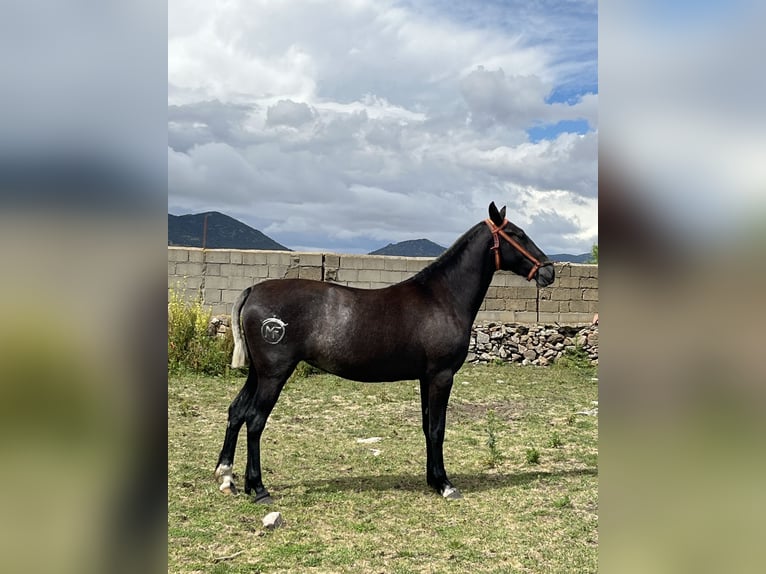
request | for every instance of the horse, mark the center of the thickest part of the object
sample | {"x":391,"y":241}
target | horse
{"x":417,"y":329}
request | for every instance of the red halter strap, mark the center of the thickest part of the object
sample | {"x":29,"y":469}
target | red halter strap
{"x":497,"y":232}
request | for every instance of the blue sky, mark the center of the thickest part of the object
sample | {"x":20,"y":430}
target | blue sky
{"x":345,"y":126}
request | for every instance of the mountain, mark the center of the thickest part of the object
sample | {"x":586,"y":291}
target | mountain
{"x":569,"y":258}
{"x":223,"y":232}
{"x":412,"y":248}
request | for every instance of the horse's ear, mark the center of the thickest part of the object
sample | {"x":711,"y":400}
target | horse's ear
{"x":496,"y":216}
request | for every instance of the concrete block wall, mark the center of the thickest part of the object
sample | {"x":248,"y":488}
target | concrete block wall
{"x":219,"y":275}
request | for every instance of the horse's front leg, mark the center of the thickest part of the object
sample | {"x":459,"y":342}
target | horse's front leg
{"x":439,"y":388}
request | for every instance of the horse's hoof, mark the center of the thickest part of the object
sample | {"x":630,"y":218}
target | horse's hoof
{"x":228,"y":489}
{"x":225,"y":477}
{"x":451,"y":493}
{"x":264,"y":499}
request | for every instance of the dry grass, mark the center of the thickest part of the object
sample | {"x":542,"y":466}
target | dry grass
{"x":349,"y":510}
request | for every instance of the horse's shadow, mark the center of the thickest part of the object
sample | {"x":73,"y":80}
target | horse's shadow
{"x":467,"y":483}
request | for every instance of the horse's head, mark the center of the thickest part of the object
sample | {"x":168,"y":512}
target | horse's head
{"x":514,"y":251}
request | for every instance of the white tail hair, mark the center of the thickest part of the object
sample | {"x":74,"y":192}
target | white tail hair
{"x":239,"y":356}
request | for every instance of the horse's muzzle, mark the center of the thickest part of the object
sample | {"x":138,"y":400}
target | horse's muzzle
{"x":545,"y":275}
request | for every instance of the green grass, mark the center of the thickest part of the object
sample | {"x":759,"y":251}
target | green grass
{"x":347,"y":510}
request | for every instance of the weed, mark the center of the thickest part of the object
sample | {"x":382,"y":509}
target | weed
{"x":533,"y":456}
{"x":494,"y":456}
{"x":304,"y":370}
{"x":576,"y":358}
{"x":562,"y":502}
{"x":555,"y":440}
{"x":190,"y":347}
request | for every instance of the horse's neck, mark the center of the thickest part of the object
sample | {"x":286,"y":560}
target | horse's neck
{"x":467,"y":273}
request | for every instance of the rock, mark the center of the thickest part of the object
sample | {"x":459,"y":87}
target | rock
{"x":470,"y":357}
{"x":273,"y":520}
{"x":530,"y":355}
{"x":482,"y":338}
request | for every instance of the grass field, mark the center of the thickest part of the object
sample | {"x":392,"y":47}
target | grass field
{"x":523,"y":458}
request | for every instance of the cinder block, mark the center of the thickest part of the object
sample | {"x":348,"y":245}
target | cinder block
{"x":525,"y":292}
{"x":506,"y":279}
{"x":255,"y":258}
{"x":576,"y":318}
{"x":568,"y":282}
{"x":236,"y":257}
{"x":351,"y":262}
{"x":259,"y":271}
{"x":196,"y":256}
{"x":180,"y":283}
{"x":579,"y":306}
{"x":221,"y":308}
{"x":496,"y":317}
{"x":277,"y":271}
{"x":390,"y":277}
{"x":588,"y":282}
{"x":395,"y":264}
{"x":562,"y":270}
{"x":310,"y":259}
{"x":218,"y":256}
{"x":530,"y":304}
{"x":517,"y":304}
{"x":212,"y":269}
{"x":278,"y":258}
{"x":549,"y":306}
{"x":590,"y":294}
{"x":375,"y":262}
{"x":563,"y":294}
{"x":332,"y":261}
{"x":292,"y":273}
{"x":360,"y":284}
{"x":171,"y":268}
{"x":416,"y":264}
{"x":369,"y":275}
{"x":525,"y":317}
{"x":348,"y":276}
{"x":549,"y":318}
{"x":230,"y":295}
{"x":229,"y":270}
{"x":374,"y":285}
{"x":178,"y":254}
{"x":582,"y":270}
{"x":188,"y":269}
{"x":216,"y":282}
{"x":314,"y":273}
{"x":240,"y":283}
{"x":494,"y":304}
{"x":211,"y":296}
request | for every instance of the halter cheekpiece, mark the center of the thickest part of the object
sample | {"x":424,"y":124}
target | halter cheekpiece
{"x":497,"y":233}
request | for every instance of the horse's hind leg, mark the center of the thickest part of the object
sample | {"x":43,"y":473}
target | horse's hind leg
{"x":237,"y":411}
{"x":266,"y":396}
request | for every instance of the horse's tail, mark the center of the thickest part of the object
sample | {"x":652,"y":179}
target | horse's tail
{"x":239,"y":356}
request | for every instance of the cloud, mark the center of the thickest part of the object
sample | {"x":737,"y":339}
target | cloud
{"x":406,"y":125}
{"x":289,"y":113}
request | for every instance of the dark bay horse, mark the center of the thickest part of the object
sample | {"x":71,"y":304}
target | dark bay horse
{"x":416,"y":329}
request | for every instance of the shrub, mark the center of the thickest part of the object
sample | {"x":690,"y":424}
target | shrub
{"x":190,"y":347}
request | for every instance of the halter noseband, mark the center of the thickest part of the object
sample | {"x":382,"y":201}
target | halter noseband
{"x":497,"y":232}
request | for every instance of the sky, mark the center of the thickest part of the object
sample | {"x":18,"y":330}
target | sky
{"x":347,"y":125}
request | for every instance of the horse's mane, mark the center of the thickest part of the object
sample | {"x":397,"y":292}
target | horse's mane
{"x":455,"y":251}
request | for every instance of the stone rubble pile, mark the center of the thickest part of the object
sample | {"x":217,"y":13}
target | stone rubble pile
{"x":507,"y":342}
{"x":530,"y":344}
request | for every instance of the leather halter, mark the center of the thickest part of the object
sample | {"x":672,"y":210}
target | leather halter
{"x":497,"y":232}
